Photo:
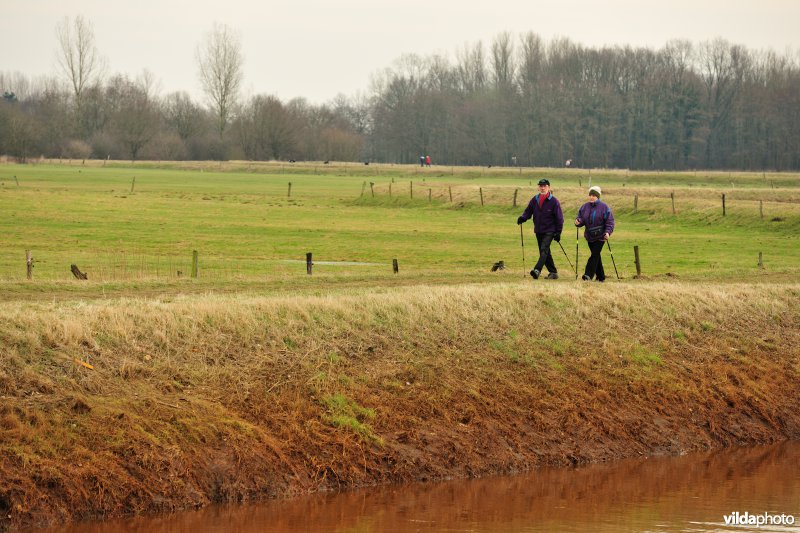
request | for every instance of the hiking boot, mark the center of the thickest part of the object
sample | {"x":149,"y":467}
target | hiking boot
{"x":552,"y":275}
{"x":601,"y":280}
{"x":586,"y":278}
{"x":535,"y":273}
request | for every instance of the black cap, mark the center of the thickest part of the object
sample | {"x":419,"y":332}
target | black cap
{"x":544,"y":182}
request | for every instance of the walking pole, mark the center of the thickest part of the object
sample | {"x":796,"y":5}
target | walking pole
{"x":565,"y":255}
{"x":612,"y":259}
{"x":522,"y":240}
{"x":577,"y":242}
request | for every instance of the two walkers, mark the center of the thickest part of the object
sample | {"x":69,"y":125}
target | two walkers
{"x":548,"y":221}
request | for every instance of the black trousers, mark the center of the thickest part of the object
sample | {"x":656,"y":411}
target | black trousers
{"x":545,"y":257}
{"x":594,"y":266}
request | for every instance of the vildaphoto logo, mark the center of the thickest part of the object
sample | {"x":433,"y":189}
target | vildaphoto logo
{"x":758,"y":520}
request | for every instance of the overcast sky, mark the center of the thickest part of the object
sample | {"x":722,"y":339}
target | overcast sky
{"x":320,"y":48}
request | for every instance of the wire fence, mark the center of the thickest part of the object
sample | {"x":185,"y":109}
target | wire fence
{"x":131,"y":265}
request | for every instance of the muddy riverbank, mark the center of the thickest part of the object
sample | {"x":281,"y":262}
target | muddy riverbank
{"x":142,"y":406}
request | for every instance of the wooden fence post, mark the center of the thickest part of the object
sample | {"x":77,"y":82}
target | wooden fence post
{"x":515,"y":197}
{"x":635,"y":203}
{"x":395,"y":267}
{"x":194,"y":263}
{"x":133,"y":184}
{"x":723,"y":204}
{"x":390,"y":189}
{"x":450,"y":190}
{"x":309,"y":263}
{"x":411,"y":188}
{"x":480,"y":190}
{"x":760,"y":260}
{"x":29,"y":263}
{"x":672,"y":195}
{"x":363,"y":186}
{"x":289,"y":194}
{"x":429,"y":195}
{"x":636,"y":260}
{"x":761,"y":208}
{"x":17,"y":181}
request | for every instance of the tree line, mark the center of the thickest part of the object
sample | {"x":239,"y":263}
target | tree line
{"x":518,"y":101}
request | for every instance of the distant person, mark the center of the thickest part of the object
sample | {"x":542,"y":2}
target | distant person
{"x":548,"y":221}
{"x":513,"y":160}
{"x":422,"y":160}
{"x":428,"y":160}
{"x":568,"y":163}
{"x":598,"y":220}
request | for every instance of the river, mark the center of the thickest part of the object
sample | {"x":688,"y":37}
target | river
{"x":691,"y":493}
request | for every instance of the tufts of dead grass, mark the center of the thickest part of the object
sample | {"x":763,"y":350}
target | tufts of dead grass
{"x":229,"y":398}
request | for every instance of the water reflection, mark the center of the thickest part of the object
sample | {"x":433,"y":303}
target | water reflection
{"x":690,"y":493}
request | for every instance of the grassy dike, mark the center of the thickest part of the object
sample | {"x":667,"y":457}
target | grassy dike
{"x":117,"y":406}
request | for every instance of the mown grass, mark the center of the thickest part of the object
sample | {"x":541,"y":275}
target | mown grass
{"x":246,"y":230}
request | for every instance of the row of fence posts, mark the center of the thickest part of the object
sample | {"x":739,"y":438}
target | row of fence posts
{"x":480,"y":191}
{"x":29,"y":262}
{"x":516,"y":192}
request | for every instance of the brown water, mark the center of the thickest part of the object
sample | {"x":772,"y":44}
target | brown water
{"x":690,"y":493}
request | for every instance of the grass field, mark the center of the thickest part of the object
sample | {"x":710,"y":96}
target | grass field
{"x":133,"y":227}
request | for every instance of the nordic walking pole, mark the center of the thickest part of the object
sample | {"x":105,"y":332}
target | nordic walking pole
{"x":565,"y":255}
{"x":577,"y":242}
{"x":522,"y":241}
{"x":612,"y":258}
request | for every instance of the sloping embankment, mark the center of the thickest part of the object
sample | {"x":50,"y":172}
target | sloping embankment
{"x":108,"y":408}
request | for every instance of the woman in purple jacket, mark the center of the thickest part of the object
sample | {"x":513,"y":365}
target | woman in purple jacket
{"x":596,"y":216}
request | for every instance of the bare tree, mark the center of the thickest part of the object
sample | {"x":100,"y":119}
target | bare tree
{"x":134,"y":114}
{"x":182,"y":115}
{"x":471,"y":68}
{"x":220,"y":61}
{"x":502,"y":60}
{"x":77,"y":54}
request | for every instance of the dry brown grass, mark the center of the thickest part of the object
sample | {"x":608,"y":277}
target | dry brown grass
{"x":214,"y":398}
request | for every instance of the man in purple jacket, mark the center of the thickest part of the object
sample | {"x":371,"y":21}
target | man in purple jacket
{"x":548,"y":221}
{"x":596,"y":216}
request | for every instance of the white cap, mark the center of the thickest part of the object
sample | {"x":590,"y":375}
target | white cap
{"x":595,"y":189}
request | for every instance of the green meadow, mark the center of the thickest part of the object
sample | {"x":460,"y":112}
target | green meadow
{"x":134,"y":227}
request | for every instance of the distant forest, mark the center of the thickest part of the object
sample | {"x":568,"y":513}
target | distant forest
{"x":518,"y":100}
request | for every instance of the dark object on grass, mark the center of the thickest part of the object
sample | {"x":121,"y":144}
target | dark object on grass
{"x":498,"y":266}
{"x":77,"y":273}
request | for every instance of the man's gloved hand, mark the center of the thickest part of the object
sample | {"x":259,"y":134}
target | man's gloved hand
{"x":557,"y":237}
{"x":520,"y":220}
